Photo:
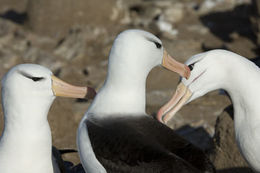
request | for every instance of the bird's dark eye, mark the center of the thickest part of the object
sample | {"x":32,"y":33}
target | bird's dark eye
{"x":35,"y":79}
{"x":191,"y":66}
{"x":158,"y":45}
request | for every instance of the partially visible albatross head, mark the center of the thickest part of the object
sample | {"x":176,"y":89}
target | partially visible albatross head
{"x":209,"y":71}
{"x":34,"y":87}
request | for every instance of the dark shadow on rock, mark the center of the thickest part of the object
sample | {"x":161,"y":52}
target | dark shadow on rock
{"x":230,"y":110}
{"x":65,"y":166}
{"x":198,"y":136}
{"x":222,"y":24}
{"x":79,"y":100}
{"x":256,"y":61}
{"x":14,"y":16}
{"x":236,"y":170}
{"x":78,"y":169}
{"x":225,"y":154}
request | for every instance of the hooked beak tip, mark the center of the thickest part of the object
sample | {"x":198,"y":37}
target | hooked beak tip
{"x":91,"y":93}
{"x":180,"y":97}
{"x":175,"y":66}
{"x":159,"y":116}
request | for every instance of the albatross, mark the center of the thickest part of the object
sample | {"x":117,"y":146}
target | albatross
{"x":221,"y":69}
{"x":28,"y":91}
{"x":115,"y":134}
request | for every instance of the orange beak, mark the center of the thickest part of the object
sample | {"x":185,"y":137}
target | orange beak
{"x":175,"y":66}
{"x":182,"y":94}
{"x":63,"y":89}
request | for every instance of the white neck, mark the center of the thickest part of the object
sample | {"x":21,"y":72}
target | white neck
{"x":243,"y":88}
{"x":244,"y":91}
{"x":26,"y":138}
{"x":122,"y":93}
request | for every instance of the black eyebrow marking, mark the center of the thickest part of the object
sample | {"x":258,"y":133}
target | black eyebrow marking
{"x":157,"y":44}
{"x":35,"y":79}
{"x":191,"y":66}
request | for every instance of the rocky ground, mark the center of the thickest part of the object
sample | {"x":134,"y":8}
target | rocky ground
{"x":74,"y":40}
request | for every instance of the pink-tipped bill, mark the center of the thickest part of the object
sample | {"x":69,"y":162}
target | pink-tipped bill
{"x":181,"y":96}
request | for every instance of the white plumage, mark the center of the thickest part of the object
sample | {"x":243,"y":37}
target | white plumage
{"x":28,"y":91}
{"x":134,"y":53}
{"x":220,"y":69}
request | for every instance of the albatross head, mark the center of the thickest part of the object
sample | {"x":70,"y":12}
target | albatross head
{"x":31,"y":86}
{"x":209,"y":72}
{"x":133,"y":54}
{"x":140,"y":51}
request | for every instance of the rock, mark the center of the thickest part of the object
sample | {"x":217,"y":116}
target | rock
{"x":160,"y":16}
{"x":226,"y":154}
{"x":73,"y":46}
{"x":45,"y":58}
{"x":166,"y":29}
{"x":168,"y":17}
{"x":16,"y":5}
{"x":255,"y":20}
{"x":20,"y":46}
{"x":174,"y":13}
{"x":199,"y":29}
{"x":210,"y":5}
{"x":207,"y":5}
{"x":54,"y":18}
{"x":8,"y":59}
{"x":198,"y":136}
{"x":76,"y":44}
{"x":157,"y":97}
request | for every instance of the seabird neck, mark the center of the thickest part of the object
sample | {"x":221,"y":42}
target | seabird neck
{"x":26,"y":137}
{"x":123,"y":93}
{"x":25,"y":112}
{"x":243,"y":88}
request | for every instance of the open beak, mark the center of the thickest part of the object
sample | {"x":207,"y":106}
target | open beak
{"x":173,"y":65}
{"x":182,"y":94}
{"x":63,"y":89}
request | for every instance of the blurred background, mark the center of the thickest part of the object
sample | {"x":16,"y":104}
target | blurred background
{"x":73,"y":39}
